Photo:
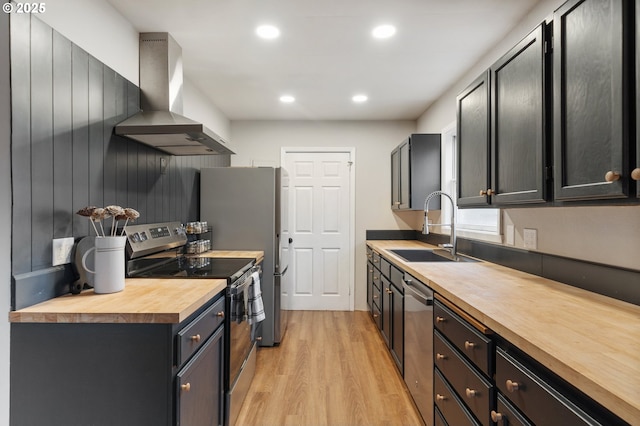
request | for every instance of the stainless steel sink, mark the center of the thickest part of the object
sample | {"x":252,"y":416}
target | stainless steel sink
{"x":428,"y":255}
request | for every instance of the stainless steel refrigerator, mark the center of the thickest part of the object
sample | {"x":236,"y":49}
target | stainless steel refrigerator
{"x":248,"y":209}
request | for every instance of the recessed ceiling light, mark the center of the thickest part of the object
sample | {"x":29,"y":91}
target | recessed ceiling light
{"x":359,"y":98}
{"x":287,"y":99}
{"x":268,"y":32}
{"x":383,"y":31}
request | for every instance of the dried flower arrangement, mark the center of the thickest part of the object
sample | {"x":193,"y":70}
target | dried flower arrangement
{"x":117,"y":213}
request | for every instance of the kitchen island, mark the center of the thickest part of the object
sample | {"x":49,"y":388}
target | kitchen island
{"x":144,"y":356}
{"x":589,"y":340}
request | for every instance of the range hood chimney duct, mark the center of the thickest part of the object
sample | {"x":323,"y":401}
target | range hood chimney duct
{"x":161,"y":124}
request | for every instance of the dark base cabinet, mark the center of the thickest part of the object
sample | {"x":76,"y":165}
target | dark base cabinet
{"x":117,"y":374}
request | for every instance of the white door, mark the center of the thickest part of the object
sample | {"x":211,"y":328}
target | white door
{"x":321,"y":218}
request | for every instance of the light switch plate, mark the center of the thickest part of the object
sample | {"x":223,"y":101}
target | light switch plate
{"x":511,"y":235}
{"x":62,"y":249}
{"x":530,"y":239}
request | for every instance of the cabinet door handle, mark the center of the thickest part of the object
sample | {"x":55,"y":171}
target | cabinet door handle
{"x":186,"y":387}
{"x":440,"y":356}
{"x":483,"y":192}
{"x":375,"y":315}
{"x":388,"y":291}
{"x":635,"y":173}
{"x":440,"y":319}
{"x":397,"y":203}
{"x":491,"y":192}
{"x":440,"y":397}
{"x":220,"y":314}
{"x":469,"y":345}
{"x":375,"y":296}
{"x":612,"y":176}
{"x":495,"y":416}
{"x":512,"y":386}
{"x":470,"y":393}
{"x":195,"y":338}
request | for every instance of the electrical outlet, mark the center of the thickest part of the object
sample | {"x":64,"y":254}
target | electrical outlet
{"x":530,"y":239}
{"x":62,"y":249}
{"x":511,"y":235}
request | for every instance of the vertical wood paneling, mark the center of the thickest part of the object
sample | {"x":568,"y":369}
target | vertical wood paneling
{"x":41,"y":143}
{"x":96,"y":132}
{"x":21,"y":141}
{"x":62,"y":138}
{"x":65,"y":104}
{"x":80,"y":108}
{"x":120,"y":144}
{"x":109,"y":120}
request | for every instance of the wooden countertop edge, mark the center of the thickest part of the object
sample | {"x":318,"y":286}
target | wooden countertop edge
{"x":625,"y":404}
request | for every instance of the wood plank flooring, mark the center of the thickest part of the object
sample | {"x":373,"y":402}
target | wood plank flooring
{"x":332,"y":368}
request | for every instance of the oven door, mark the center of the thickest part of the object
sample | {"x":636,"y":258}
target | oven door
{"x":239,"y":328}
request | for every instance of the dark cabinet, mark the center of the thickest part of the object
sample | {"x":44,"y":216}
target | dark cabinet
{"x":120,"y":373}
{"x":199,"y":385}
{"x":519,"y":130}
{"x":635,"y":172}
{"x":503,"y":131}
{"x":473,"y":143}
{"x":591,"y":89}
{"x":384,"y":282}
{"x":415,"y":171}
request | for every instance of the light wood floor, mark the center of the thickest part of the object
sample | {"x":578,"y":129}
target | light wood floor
{"x":332,"y":368}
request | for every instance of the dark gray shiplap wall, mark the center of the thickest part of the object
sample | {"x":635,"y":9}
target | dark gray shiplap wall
{"x":65,"y":156}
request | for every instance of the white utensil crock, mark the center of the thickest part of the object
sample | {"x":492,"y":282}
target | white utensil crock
{"x":109,"y":264}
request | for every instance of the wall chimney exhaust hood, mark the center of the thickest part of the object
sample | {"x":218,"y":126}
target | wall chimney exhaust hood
{"x":161,"y":124}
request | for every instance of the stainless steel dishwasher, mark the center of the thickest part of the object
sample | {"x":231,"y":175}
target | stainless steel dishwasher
{"x":418,"y":345}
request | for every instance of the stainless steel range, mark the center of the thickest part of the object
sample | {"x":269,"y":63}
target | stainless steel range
{"x":157,"y":251}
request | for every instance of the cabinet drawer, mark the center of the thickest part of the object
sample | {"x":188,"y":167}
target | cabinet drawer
{"x":449,"y":404}
{"x":507,"y":415}
{"x":397,"y":278}
{"x":474,"y":390}
{"x":376,"y":260}
{"x":377,"y":317}
{"x":192,"y":336}
{"x":376,"y":292}
{"x":385,"y":266}
{"x":536,"y":398}
{"x":471,"y":343}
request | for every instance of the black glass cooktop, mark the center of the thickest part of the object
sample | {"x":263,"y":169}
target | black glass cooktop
{"x":190,"y":267}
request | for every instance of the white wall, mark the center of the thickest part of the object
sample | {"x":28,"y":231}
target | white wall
{"x":102,"y":31}
{"x":603,"y":234}
{"x":259,"y":143}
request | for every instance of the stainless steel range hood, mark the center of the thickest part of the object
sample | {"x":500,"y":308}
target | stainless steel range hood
{"x":161,"y":124}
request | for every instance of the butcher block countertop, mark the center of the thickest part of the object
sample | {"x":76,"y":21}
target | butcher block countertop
{"x":590,"y":340}
{"x":143,"y":300}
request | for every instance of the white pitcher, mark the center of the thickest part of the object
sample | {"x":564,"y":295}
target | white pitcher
{"x":109,"y":264}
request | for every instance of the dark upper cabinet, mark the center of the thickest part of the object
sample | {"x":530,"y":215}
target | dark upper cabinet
{"x":415,"y":172}
{"x":519,"y":135}
{"x":473,"y":143}
{"x":591,"y":99}
{"x":503,"y":131}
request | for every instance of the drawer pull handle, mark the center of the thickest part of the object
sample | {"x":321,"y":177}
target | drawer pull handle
{"x":186,"y":387}
{"x":259,"y":338}
{"x":388,"y":291}
{"x":375,"y":296}
{"x":440,"y":319}
{"x":220,"y":314}
{"x":469,"y":345}
{"x":440,"y":397}
{"x":612,"y":176}
{"x":376,"y":261}
{"x":195,"y":338}
{"x":512,"y":386}
{"x":470,"y":393}
{"x":495,"y":416}
{"x":440,"y":356}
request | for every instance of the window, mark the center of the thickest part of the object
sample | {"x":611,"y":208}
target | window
{"x":482,"y":224}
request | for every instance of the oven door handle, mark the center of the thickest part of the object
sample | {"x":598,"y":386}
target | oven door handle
{"x":237,"y":288}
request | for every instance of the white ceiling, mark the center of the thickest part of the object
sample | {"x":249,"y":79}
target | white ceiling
{"x":325,"y":53}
